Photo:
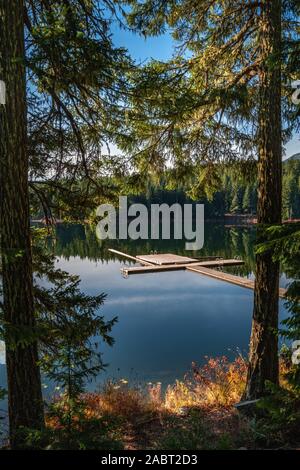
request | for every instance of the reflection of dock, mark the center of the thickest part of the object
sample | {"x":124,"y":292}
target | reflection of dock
{"x":168,"y":262}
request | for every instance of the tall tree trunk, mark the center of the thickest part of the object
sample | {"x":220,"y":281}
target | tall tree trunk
{"x":24,"y":383}
{"x":263,"y":356}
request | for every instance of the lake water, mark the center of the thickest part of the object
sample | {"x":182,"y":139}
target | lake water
{"x":165,"y":320}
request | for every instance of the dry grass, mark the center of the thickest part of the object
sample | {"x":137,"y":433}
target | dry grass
{"x":119,"y":399}
{"x":219,"y":383}
{"x":196,"y":411}
{"x":149,"y":414}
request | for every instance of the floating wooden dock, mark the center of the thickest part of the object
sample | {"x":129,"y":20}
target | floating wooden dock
{"x":133,"y":258}
{"x":167,"y":258}
{"x":169,"y":262}
{"x":178,"y":267}
{"x":232,"y":279}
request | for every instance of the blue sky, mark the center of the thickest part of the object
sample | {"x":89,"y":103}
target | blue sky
{"x":293,"y":146}
{"x":162,"y":48}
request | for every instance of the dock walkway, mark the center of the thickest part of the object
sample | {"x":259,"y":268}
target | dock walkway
{"x":155,"y":263}
{"x":221,"y":276}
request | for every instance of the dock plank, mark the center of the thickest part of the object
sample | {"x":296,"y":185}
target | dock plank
{"x":166,"y":258}
{"x":221,"y":276}
{"x":159,"y":263}
{"x":133,"y":258}
{"x":178,"y":267}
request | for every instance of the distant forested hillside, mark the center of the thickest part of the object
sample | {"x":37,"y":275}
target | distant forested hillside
{"x":236,"y":194}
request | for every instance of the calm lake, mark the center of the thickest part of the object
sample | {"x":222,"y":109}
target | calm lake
{"x":165,"y":320}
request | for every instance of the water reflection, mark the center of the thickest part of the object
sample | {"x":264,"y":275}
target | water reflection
{"x":170,"y":319}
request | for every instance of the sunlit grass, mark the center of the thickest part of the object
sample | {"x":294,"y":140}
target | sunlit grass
{"x":219,"y":383}
{"x":197,"y":411}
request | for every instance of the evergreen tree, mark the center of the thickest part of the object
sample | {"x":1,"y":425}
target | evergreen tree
{"x":263,"y":356}
{"x":228,"y":193}
{"x":247,"y":205}
{"x":287,"y":197}
{"x":51,"y":133}
{"x":254,"y":199}
{"x":23,"y":376}
{"x":291,"y":190}
{"x":235,"y":206}
{"x":222,"y":102}
{"x":76,"y":81}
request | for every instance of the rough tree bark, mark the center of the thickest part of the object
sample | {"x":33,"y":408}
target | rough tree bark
{"x":263,"y":357}
{"x":24,"y":383}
